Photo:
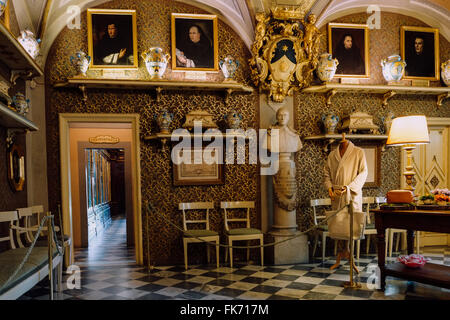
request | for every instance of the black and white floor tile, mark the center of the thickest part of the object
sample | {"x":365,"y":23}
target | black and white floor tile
{"x":108,"y":272}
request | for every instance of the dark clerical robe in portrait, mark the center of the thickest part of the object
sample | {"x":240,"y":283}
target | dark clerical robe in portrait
{"x":108,"y":50}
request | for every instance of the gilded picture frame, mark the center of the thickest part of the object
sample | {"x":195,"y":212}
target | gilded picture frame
{"x":373,"y":159}
{"x":194,"y":42}
{"x":198,"y":174}
{"x":349,"y":44}
{"x":112,"y":34}
{"x":419,"y":48}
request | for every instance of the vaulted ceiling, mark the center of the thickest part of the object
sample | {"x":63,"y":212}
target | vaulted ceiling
{"x":48,"y":17}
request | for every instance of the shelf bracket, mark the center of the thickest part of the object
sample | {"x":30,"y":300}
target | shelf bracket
{"x":330,"y":94}
{"x":328,"y":143}
{"x":441,"y":98}
{"x":158,"y":94}
{"x":83,"y":90}
{"x":16,"y":74}
{"x":228,"y":93}
{"x":11,"y":135}
{"x":387,"y":96}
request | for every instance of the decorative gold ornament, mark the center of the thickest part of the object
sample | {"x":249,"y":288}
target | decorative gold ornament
{"x":284,"y":55}
{"x":292,"y":13}
{"x":104,"y":139}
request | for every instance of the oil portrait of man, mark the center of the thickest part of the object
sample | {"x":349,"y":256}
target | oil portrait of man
{"x":349,"y":45}
{"x":112,"y":38}
{"x":194,"y":42}
{"x":419,"y":50}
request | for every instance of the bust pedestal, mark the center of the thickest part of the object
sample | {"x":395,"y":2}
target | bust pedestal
{"x":284,"y":219}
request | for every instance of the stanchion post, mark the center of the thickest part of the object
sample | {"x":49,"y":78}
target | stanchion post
{"x":50,"y":252}
{"x":351,"y":283}
{"x":148,"y":236}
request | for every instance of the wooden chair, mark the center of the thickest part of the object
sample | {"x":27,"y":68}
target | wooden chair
{"x":194,"y":235}
{"x":323,"y":230}
{"x":370,"y":226}
{"x":238,"y":234}
{"x":25,"y":214}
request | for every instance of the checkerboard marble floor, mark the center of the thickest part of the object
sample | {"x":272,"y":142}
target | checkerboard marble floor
{"x":108,"y":272}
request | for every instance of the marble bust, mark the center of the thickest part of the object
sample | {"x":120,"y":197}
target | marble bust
{"x":289,"y":140}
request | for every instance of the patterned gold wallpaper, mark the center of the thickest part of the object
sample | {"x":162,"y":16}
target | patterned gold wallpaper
{"x":242,"y":182}
{"x":310,"y":108}
{"x":153,"y":18}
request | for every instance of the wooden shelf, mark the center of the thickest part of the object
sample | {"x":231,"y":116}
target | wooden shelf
{"x":387,"y":91}
{"x":159,"y":136}
{"x":331,"y":138}
{"x":159,"y":86}
{"x":12,"y":120}
{"x":15,"y":58}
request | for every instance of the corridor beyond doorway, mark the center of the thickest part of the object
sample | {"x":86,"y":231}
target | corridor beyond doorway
{"x":108,"y":250}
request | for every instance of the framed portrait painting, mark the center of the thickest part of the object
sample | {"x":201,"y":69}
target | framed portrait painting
{"x":198,"y":173}
{"x":194,"y":42}
{"x":420,"y":50}
{"x":112,"y":38}
{"x":349,"y":44}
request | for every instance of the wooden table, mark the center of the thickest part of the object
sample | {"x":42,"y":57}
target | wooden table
{"x":411,"y":220}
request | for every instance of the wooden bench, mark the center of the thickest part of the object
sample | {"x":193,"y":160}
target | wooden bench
{"x":35,"y":268}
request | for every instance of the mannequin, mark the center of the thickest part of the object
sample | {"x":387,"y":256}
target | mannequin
{"x":345,"y":175}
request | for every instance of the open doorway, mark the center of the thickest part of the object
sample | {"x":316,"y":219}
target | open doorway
{"x":79,"y":132}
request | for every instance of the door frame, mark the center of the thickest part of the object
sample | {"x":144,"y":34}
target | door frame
{"x":66,"y":193}
{"x":431,"y":122}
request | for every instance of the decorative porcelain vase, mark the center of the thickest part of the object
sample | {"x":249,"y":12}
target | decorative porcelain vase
{"x":393,"y":68}
{"x":330,"y":122}
{"x":3,"y":4}
{"x":387,"y":121}
{"x":29,"y":42}
{"x":81,"y":61}
{"x":21,"y":103}
{"x":164,"y":119}
{"x":327,"y":67}
{"x":156,"y":62}
{"x":233,"y":119}
{"x":445,"y":72}
{"x":229,"y":65}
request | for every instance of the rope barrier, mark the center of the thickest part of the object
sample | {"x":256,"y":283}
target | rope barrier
{"x":31,"y":247}
{"x":150,"y":208}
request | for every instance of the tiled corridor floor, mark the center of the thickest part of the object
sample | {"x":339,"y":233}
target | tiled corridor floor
{"x":108,"y":272}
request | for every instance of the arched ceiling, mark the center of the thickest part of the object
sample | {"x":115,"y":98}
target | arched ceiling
{"x":48,"y":17}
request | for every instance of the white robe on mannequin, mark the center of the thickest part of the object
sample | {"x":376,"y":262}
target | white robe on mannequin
{"x":349,"y":171}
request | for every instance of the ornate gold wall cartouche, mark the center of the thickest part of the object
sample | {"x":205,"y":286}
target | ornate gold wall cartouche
{"x":284,"y":56}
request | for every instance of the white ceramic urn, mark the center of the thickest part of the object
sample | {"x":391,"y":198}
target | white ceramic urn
{"x":327,"y":67}
{"x":156,"y":62}
{"x":29,"y":42}
{"x":445,"y":72}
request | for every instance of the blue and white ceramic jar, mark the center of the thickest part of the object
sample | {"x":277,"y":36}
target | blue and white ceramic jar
{"x":393,"y":68}
{"x":229,"y":65}
{"x":233,"y":119}
{"x":327,"y":67}
{"x":330,"y":122}
{"x":3,"y":4}
{"x":29,"y":42}
{"x":164,"y":119}
{"x":21,"y":103}
{"x":156,"y":62}
{"x":81,"y":61}
{"x":445,"y":72}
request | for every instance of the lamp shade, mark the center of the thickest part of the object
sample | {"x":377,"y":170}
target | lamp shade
{"x":408,"y":130}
